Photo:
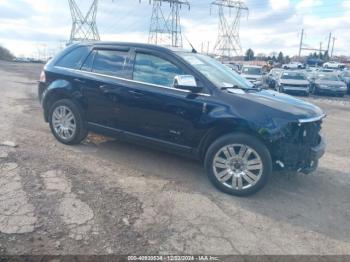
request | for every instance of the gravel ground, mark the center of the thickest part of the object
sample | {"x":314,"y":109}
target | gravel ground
{"x":109,"y":197}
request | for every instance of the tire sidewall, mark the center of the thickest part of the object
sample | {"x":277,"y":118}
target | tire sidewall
{"x":80,"y":123}
{"x":239,"y":138}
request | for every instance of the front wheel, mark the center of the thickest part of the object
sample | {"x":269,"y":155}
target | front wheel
{"x":238,"y":164}
{"x":67,"y":123}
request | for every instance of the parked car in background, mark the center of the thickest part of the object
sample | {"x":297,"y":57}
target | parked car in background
{"x":181,"y":102}
{"x":254,"y":74}
{"x":293,"y":65}
{"x":334,"y":65}
{"x":293,"y":82}
{"x":325,"y":70}
{"x":345,"y":77}
{"x":328,"y":83}
{"x":272,"y":77}
{"x":314,"y":62}
{"x":234,"y":67}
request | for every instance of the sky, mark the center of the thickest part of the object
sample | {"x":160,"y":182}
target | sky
{"x":27,"y":27}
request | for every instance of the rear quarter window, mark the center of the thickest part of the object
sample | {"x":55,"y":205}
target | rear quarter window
{"x":110,"y":62}
{"x":74,"y":59}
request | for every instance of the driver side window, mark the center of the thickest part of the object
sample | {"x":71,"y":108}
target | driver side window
{"x":155,"y":70}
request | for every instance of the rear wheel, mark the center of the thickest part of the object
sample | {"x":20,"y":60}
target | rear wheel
{"x":238,"y":164}
{"x":67,"y":123}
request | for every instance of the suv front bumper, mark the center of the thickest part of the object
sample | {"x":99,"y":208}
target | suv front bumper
{"x":315,"y":154}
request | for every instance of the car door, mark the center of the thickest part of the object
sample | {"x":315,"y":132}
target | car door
{"x":105,"y":72}
{"x":159,"y":111}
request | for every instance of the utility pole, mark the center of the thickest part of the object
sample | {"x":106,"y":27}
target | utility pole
{"x":166,"y":29}
{"x":329,"y":42}
{"x":228,"y":41}
{"x":302,"y":46}
{"x":301,"y":42}
{"x":84,"y":27}
{"x":333,"y":46}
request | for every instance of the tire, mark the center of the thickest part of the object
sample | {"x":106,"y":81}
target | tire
{"x":258,"y":153}
{"x":80,"y":132}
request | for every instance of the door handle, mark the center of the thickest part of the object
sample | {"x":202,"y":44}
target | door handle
{"x":135,"y":93}
{"x":105,"y":88}
{"x":79,"y":81}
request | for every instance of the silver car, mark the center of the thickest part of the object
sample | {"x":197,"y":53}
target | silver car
{"x":293,"y":82}
{"x":254,"y":74}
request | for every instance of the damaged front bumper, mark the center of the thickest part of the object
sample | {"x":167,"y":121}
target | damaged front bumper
{"x":301,"y":146}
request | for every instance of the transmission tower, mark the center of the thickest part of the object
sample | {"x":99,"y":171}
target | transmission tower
{"x":84,"y":28}
{"x":228,"y":42}
{"x":166,"y":29}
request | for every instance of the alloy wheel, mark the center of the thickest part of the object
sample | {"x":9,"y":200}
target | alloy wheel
{"x":237,"y":166}
{"x":64,"y":123}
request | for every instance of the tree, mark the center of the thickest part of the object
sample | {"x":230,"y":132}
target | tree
{"x":287,"y":59}
{"x":280,"y":58}
{"x":326,"y":56}
{"x":5,"y":54}
{"x":249,"y":55}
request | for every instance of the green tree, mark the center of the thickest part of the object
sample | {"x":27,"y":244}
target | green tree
{"x":287,"y":59}
{"x":280,"y":58}
{"x":5,"y":54}
{"x":326,"y":56}
{"x":249,"y":55}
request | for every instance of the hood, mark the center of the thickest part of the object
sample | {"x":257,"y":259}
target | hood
{"x":329,"y":83}
{"x":267,"y":105}
{"x":294,"y":82}
{"x":255,"y":77}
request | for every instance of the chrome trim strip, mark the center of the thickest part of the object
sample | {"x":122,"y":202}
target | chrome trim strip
{"x":313,"y":119}
{"x":129,"y":80}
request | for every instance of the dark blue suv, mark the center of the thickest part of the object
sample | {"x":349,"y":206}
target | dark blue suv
{"x":183,"y":102}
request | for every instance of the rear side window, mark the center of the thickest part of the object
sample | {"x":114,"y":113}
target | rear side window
{"x":110,"y":62}
{"x":155,"y":70}
{"x":74,"y":59}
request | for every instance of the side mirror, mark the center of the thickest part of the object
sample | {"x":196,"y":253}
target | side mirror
{"x":186,"y":82}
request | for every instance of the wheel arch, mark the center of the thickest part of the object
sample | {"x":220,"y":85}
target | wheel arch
{"x":226,"y":127}
{"x":57,"y":90}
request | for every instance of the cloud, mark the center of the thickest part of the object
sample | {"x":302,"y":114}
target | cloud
{"x":304,"y":4}
{"x":272,"y":25}
{"x":279,"y":4}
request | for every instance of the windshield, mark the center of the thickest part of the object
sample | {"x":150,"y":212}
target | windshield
{"x":251,"y":70}
{"x":328,"y":77}
{"x":217,"y":73}
{"x":293,"y":76}
{"x":346,"y":74}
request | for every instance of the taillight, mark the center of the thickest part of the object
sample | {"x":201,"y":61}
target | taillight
{"x":42,"y":77}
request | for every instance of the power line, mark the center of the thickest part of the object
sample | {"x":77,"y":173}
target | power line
{"x":84,"y":28}
{"x":228,"y":41}
{"x":166,"y":29}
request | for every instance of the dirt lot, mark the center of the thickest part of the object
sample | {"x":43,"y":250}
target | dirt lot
{"x":106,"y":196}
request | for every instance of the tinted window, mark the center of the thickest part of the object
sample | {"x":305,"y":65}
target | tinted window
{"x":293,"y":76}
{"x":155,"y":70}
{"x":252,"y":70}
{"x":74,"y":59}
{"x":87,"y":66}
{"x":110,"y":62}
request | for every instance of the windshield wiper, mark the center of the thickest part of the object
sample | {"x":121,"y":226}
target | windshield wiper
{"x":233,"y":87}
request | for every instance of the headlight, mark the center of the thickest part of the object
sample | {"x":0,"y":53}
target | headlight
{"x":323,"y":86}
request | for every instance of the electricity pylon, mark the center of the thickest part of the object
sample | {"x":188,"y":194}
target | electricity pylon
{"x":84,"y":28}
{"x":228,"y":42}
{"x":166,"y":30}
